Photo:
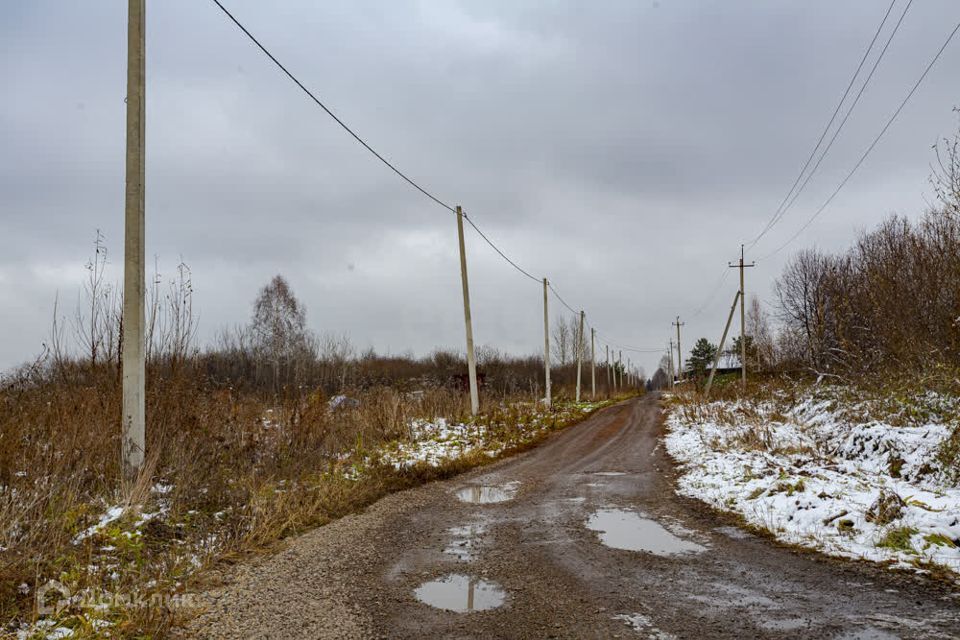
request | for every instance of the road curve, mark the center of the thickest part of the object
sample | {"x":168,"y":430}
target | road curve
{"x":700,"y":578}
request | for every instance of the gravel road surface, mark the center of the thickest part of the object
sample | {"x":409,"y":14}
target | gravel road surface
{"x":582,"y":537}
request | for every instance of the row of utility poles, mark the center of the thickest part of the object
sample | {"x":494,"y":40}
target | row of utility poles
{"x":615,"y":374}
{"x":741,"y":297}
{"x":134,"y":271}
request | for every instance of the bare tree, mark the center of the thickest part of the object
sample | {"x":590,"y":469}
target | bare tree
{"x":561,"y":342}
{"x":804,"y":295}
{"x":279,"y":331}
{"x":171,"y":325}
{"x":762,"y":345}
{"x":97,"y":317}
{"x":336,"y":354}
{"x":945,"y":175}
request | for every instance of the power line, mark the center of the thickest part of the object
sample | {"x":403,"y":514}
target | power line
{"x":603,"y":339}
{"x":386,"y":162}
{"x":497,"y":249}
{"x":330,"y":113}
{"x":787,"y":201}
{"x":849,"y":111}
{"x":364,"y":143}
{"x":560,"y":298}
{"x":713,"y":294}
{"x":871,"y":147}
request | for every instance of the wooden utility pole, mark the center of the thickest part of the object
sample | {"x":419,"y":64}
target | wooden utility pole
{"x":133,"y":357}
{"x":546,"y":343}
{"x":580,"y":345}
{"x":593,"y":363}
{"x":723,"y":338}
{"x":679,"y":351}
{"x":743,"y":319}
{"x":471,"y":357}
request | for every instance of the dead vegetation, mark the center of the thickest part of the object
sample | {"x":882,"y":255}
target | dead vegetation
{"x":270,"y":432}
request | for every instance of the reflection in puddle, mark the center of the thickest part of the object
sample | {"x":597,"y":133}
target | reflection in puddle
{"x":622,"y":529}
{"x":464,"y":541}
{"x":609,"y":473}
{"x":479,"y":494}
{"x":461,"y":593}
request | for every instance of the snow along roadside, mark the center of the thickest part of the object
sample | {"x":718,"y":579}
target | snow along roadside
{"x":810,"y":476}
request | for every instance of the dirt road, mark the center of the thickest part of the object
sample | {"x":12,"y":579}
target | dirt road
{"x":590,"y":541}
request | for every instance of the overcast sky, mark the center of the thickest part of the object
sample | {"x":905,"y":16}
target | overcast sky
{"x":622,"y":149}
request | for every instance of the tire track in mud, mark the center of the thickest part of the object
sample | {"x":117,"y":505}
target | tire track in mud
{"x":535,"y":564}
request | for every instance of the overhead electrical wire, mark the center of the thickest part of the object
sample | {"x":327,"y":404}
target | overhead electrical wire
{"x":873,"y":145}
{"x":713,"y":293}
{"x":560,"y":298}
{"x":798,"y":187}
{"x":497,"y":249}
{"x":847,"y":115}
{"x":331,"y":113}
{"x":795,"y":191}
{"x":866,"y":54}
{"x":376,"y":154}
{"x":805,"y":176}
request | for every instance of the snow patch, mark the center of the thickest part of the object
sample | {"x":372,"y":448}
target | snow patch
{"x":812,"y":474}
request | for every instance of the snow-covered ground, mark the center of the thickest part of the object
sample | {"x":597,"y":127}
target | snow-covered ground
{"x":828,"y":468}
{"x":431,"y":442}
{"x":435,"y":441}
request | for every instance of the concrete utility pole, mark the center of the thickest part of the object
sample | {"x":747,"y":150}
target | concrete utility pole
{"x":723,"y":338}
{"x":471,"y":357}
{"x":620,"y":370}
{"x":593,"y":363}
{"x":546,"y":343}
{"x":609,"y":379}
{"x":743,"y":319}
{"x":679,"y":351}
{"x":670,"y":353}
{"x":133,"y":357}
{"x":579,"y":353}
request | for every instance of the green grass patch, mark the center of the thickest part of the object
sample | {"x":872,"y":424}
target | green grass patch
{"x":898,"y":539}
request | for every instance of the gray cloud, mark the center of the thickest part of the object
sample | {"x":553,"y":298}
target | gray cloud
{"x":623,"y":149}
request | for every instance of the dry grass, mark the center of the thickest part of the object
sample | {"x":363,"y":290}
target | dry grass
{"x":229,"y":473}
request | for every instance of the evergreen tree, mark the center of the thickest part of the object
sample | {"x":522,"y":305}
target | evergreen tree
{"x":701,"y":357}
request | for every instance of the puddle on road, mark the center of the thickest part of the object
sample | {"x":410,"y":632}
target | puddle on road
{"x":623,"y":529}
{"x":488,"y":494}
{"x":461,"y":593}
{"x":609,"y":473}
{"x":464,"y":542}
